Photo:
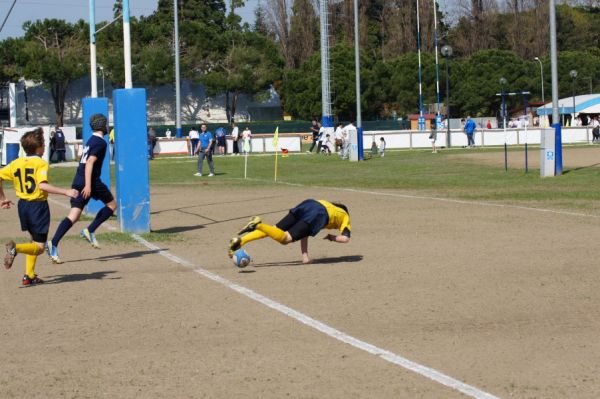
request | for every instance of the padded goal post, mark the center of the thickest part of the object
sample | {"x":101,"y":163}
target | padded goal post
{"x":131,"y":160}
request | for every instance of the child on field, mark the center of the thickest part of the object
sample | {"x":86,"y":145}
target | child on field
{"x":87,"y":182}
{"x":327,"y":145}
{"x":29,"y":176}
{"x":381,"y":147}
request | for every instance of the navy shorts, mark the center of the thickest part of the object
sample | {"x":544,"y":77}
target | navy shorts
{"x":35,"y":219}
{"x":306,"y":219}
{"x":221,"y":141}
{"x":99,"y":192}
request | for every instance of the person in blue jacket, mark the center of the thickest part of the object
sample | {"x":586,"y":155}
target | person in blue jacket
{"x":469,"y":128}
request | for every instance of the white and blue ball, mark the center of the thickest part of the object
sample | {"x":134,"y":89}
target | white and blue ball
{"x":241,"y":258}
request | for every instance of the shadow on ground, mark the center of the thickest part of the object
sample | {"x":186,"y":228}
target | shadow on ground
{"x":126,"y":255}
{"x":320,"y":261}
{"x":72,"y":278}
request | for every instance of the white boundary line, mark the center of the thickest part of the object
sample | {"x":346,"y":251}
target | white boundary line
{"x":440,"y":199}
{"x":386,"y":355}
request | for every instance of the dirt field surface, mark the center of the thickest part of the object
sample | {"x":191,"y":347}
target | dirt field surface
{"x":503,"y":299}
{"x":573,"y":157}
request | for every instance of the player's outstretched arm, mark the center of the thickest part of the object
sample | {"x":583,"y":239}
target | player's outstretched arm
{"x":341,"y":239}
{"x":89,"y":167}
{"x":4,"y":203}
{"x":49,"y":188}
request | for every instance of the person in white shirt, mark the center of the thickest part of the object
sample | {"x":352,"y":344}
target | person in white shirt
{"x":595,"y":129}
{"x":337,"y":135}
{"x":246,"y":140}
{"x":194,"y":137}
{"x":235,"y":135}
{"x":168,"y":133}
{"x":346,"y":131}
{"x":321,"y":139}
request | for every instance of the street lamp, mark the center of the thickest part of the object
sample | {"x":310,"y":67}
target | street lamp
{"x":447,"y":53}
{"x":503,"y":83}
{"x":102,"y":72}
{"x":542,"y":78}
{"x":573,"y":75}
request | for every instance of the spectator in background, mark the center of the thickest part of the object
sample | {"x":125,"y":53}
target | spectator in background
{"x":111,"y":142}
{"x":488,"y":125}
{"x":60,"y":145}
{"x":221,"y":133}
{"x":314,"y":130}
{"x":193,"y":136}
{"x":247,"y":140}
{"x":151,"y":143}
{"x":327,"y":145}
{"x":204,"y":150}
{"x":433,"y":138}
{"x":320,"y":137}
{"x":346,"y":132}
{"x":52,"y":146}
{"x":235,"y":135}
{"x":168,"y":133}
{"x":470,"y":131}
{"x":595,"y":129}
{"x":382,"y":147}
{"x":337,"y":135}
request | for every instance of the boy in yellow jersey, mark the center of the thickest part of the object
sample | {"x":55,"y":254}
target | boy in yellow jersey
{"x":29,"y":176}
{"x":306,"y":219}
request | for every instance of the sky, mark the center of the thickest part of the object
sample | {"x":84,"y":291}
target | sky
{"x":73,"y":10}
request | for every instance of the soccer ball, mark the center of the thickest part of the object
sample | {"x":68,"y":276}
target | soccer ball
{"x":241,"y":258}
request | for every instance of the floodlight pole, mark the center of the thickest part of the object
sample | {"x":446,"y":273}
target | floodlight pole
{"x":127,"y":45}
{"x":178,"y":129}
{"x":541,"y":78}
{"x":437,"y":62}
{"x":359,"y":129}
{"x":93,"y":66}
{"x":420,"y":124}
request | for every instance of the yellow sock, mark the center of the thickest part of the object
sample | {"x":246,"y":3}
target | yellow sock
{"x":255,"y":235}
{"x":272,"y":231}
{"x":31,"y":248}
{"x":30,"y":265}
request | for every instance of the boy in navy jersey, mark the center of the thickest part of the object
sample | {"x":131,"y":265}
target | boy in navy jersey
{"x":87,"y":182}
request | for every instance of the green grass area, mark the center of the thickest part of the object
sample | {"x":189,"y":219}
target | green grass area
{"x":444,"y":174}
{"x":125,"y":238}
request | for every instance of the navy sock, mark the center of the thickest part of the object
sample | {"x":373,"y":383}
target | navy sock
{"x":101,"y":216}
{"x":62,"y":229}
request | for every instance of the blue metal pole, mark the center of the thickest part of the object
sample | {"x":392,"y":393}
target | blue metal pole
{"x":93,"y":67}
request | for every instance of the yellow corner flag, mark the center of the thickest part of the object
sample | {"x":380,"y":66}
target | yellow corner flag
{"x":276,"y":139}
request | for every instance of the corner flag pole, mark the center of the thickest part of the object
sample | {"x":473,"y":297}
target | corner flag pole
{"x":276,"y":146}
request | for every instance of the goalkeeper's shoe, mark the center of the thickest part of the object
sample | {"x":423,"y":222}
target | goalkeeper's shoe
{"x":52,"y":252}
{"x":234,"y":244}
{"x":32,"y":281}
{"x":251,"y":226}
{"x":85,"y":233}
{"x":11,"y":252}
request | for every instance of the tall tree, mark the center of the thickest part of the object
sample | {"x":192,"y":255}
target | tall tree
{"x":304,"y":31}
{"x":52,"y":55}
{"x":250,"y":64}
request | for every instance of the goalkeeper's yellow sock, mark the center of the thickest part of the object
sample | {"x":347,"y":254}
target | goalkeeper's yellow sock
{"x":254,"y":235}
{"x":30,"y":265}
{"x":31,"y":248}
{"x":272,"y":231}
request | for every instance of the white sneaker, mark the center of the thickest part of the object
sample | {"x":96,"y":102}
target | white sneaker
{"x":198,"y":174}
{"x":211,"y":175}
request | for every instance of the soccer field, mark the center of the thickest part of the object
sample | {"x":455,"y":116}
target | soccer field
{"x":461,"y":280}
